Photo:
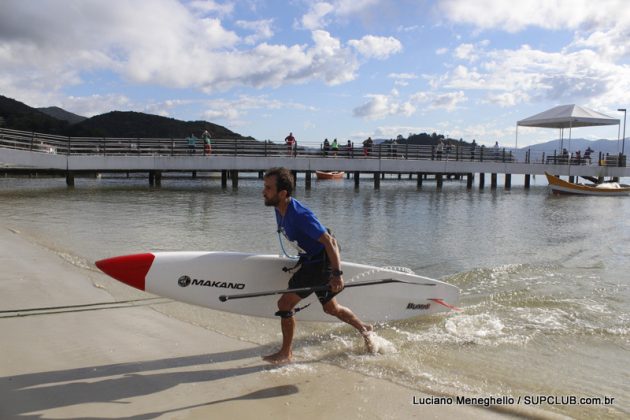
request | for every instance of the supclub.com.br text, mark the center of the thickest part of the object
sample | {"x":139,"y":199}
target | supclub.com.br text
{"x":509,"y":400}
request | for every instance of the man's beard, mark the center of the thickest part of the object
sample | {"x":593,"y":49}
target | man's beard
{"x":272,"y":201}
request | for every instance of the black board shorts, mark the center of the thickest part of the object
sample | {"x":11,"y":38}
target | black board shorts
{"x":313,"y":274}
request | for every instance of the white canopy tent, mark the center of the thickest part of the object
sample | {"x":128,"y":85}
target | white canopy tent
{"x":566,"y":116}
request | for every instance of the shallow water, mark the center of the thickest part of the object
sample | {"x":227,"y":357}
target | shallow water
{"x":544,"y":279}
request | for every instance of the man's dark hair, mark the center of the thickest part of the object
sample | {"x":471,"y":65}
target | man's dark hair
{"x":284,"y":179}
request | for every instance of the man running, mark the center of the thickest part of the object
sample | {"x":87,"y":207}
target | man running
{"x":319,"y":262}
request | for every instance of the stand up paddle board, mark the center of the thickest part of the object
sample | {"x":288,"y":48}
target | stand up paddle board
{"x":249,"y":284}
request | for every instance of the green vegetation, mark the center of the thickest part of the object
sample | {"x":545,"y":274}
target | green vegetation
{"x":18,"y":116}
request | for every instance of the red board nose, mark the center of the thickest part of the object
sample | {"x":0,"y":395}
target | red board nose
{"x":129,"y":269}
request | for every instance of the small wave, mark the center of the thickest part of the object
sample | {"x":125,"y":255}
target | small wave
{"x":475,"y":327}
{"x":381,"y":345}
{"x":74,"y":260}
{"x":291,"y":368}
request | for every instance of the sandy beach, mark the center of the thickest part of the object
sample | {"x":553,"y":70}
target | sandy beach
{"x":70,"y":351}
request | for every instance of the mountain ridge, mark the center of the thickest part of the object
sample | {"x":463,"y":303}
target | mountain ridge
{"x":54,"y":120}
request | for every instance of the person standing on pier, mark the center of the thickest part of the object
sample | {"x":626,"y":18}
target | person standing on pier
{"x":290,"y":142}
{"x":192,"y":143}
{"x":207,"y":143}
{"x":439,"y":149}
{"x":367,"y":146}
{"x":319,"y":263}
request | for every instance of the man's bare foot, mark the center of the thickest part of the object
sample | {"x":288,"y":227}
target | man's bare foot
{"x":278,"y":358}
{"x":367,"y":336}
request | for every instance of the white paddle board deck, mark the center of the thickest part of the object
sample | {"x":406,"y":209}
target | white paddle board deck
{"x":201,"y":278}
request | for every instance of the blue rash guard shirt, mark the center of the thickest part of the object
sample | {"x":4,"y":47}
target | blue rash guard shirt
{"x":300,"y":225}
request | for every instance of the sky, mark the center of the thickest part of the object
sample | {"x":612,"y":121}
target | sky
{"x":344,"y":69}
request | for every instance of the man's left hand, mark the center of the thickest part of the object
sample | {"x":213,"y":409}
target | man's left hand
{"x":336,"y":284}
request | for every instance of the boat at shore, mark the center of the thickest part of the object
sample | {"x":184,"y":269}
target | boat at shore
{"x":329,"y":175}
{"x":560,"y":186}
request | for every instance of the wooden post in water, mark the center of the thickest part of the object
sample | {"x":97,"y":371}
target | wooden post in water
{"x":151,"y":178}
{"x":527,"y":180}
{"x":69,"y":179}
{"x":419,"y":181}
{"x":482,"y":180}
{"x":194,"y":174}
{"x":307,"y":180}
{"x":493,"y":181}
{"x":572,"y":179}
{"x":439,"y":181}
{"x":294,"y":173}
{"x":508,"y":181}
{"x":234,"y":175}
{"x":377,"y":180}
{"x":158,"y":178}
{"x":469,"y":181}
{"x":223,"y":178}
{"x":357,"y":175}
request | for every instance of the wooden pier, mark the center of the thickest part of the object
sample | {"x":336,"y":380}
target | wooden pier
{"x":31,"y":153}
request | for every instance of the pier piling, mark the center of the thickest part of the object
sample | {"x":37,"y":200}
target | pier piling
{"x":69,"y":179}
{"x":307,"y":180}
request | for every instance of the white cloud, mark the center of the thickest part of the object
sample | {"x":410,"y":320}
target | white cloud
{"x":212,"y":7}
{"x":376,"y":46}
{"x":516,"y":16}
{"x":412,"y":28}
{"x":448,"y":101}
{"x":465,"y":52}
{"x":402,"y":79}
{"x":510,"y":77}
{"x":611,"y":44}
{"x":321,"y":14}
{"x":160,"y":42}
{"x":262,"y":30}
{"x":314,"y":19}
{"x":508,"y":99}
{"x":381,"y":106}
{"x":88,"y":106}
{"x":233,"y":110}
{"x":404,"y":76}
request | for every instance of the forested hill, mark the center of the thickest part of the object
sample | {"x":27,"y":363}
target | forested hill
{"x":137,"y":124}
{"x":19,"y":116}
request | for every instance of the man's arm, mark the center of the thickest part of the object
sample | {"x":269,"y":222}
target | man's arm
{"x":332,"y":251}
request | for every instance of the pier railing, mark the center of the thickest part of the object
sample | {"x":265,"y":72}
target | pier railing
{"x":107,"y":146}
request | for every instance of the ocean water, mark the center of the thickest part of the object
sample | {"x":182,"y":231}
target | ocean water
{"x":544,"y":279}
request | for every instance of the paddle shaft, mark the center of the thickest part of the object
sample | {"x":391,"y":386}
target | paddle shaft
{"x":224,"y":298}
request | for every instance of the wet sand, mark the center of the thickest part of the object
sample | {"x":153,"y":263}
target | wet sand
{"x":82,"y":355}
